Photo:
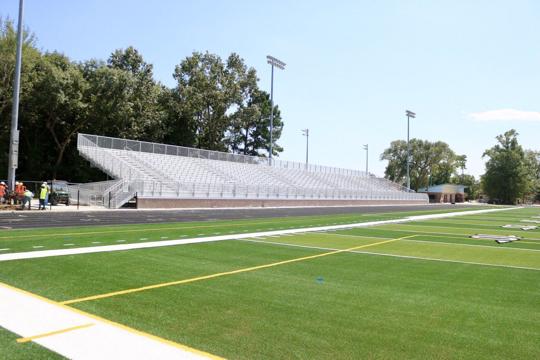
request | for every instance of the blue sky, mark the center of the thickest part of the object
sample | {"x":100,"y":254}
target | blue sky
{"x":469,"y":69}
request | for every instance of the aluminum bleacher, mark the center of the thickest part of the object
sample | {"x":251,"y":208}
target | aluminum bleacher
{"x":159,"y":171}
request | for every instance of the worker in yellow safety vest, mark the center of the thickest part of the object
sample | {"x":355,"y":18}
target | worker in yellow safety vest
{"x":43,"y":196}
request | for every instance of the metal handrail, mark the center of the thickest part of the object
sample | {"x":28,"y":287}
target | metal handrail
{"x":164,"y":149}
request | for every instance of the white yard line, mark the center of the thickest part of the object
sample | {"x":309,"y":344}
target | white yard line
{"x":78,"y":335}
{"x":153,"y":244}
{"x":474,"y":245}
{"x":391,"y":255}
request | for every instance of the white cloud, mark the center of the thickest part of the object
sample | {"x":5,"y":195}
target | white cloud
{"x":506,"y":115}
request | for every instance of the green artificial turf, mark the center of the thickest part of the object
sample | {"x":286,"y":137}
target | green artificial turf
{"x":10,"y":349}
{"x":341,"y":306}
{"x":25,"y":240}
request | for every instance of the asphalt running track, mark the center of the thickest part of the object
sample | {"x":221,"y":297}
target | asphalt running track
{"x":34,"y":219}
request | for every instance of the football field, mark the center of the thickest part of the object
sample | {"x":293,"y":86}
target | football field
{"x":419,"y":289}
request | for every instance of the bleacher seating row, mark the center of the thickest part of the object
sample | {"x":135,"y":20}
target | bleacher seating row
{"x":164,"y":175}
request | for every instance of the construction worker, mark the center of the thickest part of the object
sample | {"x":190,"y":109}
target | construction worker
{"x":27,"y":198}
{"x":3,"y":190}
{"x":18,"y":193}
{"x":48,"y":193}
{"x":43,"y":192}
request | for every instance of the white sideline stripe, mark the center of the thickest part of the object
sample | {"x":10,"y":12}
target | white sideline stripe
{"x":153,"y":244}
{"x":28,"y":316}
{"x":391,"y":255}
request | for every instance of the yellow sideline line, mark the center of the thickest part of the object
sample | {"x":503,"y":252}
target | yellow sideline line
{"x":115,"y":324}
{"x":56,"y":332}
{"x":212,"y":276}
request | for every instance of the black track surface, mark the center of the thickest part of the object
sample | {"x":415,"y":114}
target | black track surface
{"x":32,"y":219}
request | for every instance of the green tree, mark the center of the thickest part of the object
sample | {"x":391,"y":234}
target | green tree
{"x":54,"y":113}
{"x":507,"y":178}
{"x":124,"y":99}
{"x":431,"y":162}
{"x":217,"y":105}
{"x":206,"y":91}
{"x":533,"y":165}
{"x":249,"y":132}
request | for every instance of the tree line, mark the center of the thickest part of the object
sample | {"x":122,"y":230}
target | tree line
{"x":512,"y":173}
{"x":216,"y":104}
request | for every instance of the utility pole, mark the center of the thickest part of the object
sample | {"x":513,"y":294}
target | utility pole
{"x":409,"y":114}
{"x":280,"y":65}
{"x":14,"y":135}
{"x":305,"y":132}
{"x":366,"y":147}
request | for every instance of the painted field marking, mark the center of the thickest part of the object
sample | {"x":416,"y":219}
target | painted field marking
{"x":142,"y":230}
{"x":51,"y":333}
{"x":120,"y":241}
{"x":96,"y":242}
{"x":117,"y":325}
{"x":37,"y":247}
{"x":69,"y":244}
{"x":394,"y":255}
{"x":431,"y":233}
{"x":4,"y":249}
{"x":162,"y":243}
{"x":474,"y":245}
{"x":233,"y":272}
{"x":457,"y":228}
{"x":193,"y":227}
{"x":437,"y":242}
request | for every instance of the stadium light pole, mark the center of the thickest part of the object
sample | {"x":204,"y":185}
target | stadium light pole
{"x":305,"y":132}
{"x":14,"y":135}
{"x":366,"y":147}
{"x":409,"y":114}
{"x":280,"y":65}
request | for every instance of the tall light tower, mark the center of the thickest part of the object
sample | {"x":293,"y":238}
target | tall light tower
{"x":14,"y":137}
{"x":409,"y":114}
{"x":280,"y":65}
{"x":305,"y":132}
{"x":366,"y":147}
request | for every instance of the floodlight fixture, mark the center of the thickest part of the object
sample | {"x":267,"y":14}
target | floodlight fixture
{"x":280,"y":65}
{"x":409,"y":115}
{"x":366,"y":147}
{"x":275,"y":62}
{"x":305,"y":132}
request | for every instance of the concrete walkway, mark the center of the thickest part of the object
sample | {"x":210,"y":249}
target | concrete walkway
{"x":78,"y":335}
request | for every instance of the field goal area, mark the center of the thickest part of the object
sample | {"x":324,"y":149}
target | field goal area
{"x":417,"y":284}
